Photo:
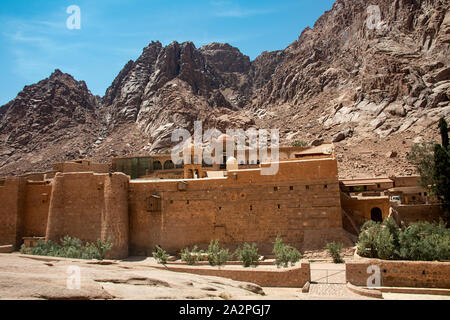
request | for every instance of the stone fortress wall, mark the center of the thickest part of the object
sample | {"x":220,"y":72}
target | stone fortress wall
{"x":302,"y":203}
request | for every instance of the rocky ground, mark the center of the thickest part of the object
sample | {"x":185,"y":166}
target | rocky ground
{"x":31,"y":277}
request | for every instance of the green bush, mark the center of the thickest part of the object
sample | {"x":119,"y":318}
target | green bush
{"x":160,"y":255}
{"x":425,"y":241}
{"x":191,"y":257}
{"x":70,"y":248}
{"x":421,"y":241}
{"x":299,"y":143}
{"x":217,"y":256}
{"x":248,"y":255}
{"x":366,"y":240}
{"x":335,"y":251}
{"x":285,"y":253}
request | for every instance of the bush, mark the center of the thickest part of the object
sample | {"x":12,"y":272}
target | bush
{"x":425,"y":241}
{"x":335,"y":251}
{"x":248,"y":255}
{"x":422,"y":241}
{"x":160,"y":255}
{"x":191,"y":257}
{"x":285,"y":253}
{"x":299,"y":143}
{"x":70,"y":248}
{"x":217,"y":256}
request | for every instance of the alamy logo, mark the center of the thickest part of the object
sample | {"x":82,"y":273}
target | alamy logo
{"x":74,"y":20}
{"x":374,"y":281}
{"x":73,"y":281}
{"x":373,"y":17}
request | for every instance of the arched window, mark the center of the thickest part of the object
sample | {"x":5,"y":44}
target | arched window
{"x":168,"y":165}
{"x":157,"y":165}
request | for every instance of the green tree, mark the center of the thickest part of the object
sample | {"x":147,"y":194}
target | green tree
{"x":422,"y":156}
{"x":441,"y":176}
{"x":443,"y":127}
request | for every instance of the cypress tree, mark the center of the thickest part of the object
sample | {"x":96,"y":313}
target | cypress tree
{"x":441,"y":172}
{"x":444,"y":133}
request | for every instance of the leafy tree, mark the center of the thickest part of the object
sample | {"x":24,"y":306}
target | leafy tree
{"x":422,"y":156}
{"x":433,"y":164}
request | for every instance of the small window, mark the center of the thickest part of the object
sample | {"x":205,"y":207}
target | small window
{"x":171,"y":201}
{"x":220,"y":208}
{"x":187,"y":202}
{"x":325,"y":186}
{"x":420,"y":193}
{"x":378,"y":186}
{"x":425,"y":194}
{"x":275,"y":188}
{"x":279,"y":206}
{"x":251,"y":208}
{"x":307,"y":187}
{"x":291,"y":188}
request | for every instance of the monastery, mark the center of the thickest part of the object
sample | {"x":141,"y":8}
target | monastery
{"x":140,"y":202}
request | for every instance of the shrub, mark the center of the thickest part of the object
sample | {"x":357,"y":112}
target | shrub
{"x":420,"y":241}
{"x":366,"y":240}
{"x":248,"y":255}
{"x":70,"y":248}
{"x":191,"y":257}
{"x":160,"y":255}
{"x":217,"y":256}
{"x":299,"y":143}
{"x":425,"y":241}
{"x":285,"y":253}
{"x":335,"y":251}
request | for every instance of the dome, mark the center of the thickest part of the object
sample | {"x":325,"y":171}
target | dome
{"x":224,"y":138}
{"x":231,"y":160}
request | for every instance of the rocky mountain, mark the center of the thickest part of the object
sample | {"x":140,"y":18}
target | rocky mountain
{"x":371,"y":85}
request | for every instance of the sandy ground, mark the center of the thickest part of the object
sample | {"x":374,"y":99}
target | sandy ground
{"x":29,"y":277}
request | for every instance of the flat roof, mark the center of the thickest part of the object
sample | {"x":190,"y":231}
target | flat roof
{"x":407,"y":189}
{"x":364,"y":181}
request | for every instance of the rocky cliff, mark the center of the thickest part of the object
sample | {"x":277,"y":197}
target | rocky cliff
{"x":372,"y":90}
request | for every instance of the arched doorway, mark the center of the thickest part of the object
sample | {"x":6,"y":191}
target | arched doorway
{"x":376,"y":214}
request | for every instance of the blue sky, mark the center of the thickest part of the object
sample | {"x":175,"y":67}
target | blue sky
{"x":34,"y":38}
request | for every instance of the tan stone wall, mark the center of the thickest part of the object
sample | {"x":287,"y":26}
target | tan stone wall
{"x":11,"y":219}
{"x":301,"y":203}
{"x":36,"y":205}
{"x":417,"y":274}
{"x":89,"y":207}
{"x":85,"y":166}
{"x":295,"y":277}
{"x":423,"y":212}
{"x":360,"y":209}
{"x":405,"y":181}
